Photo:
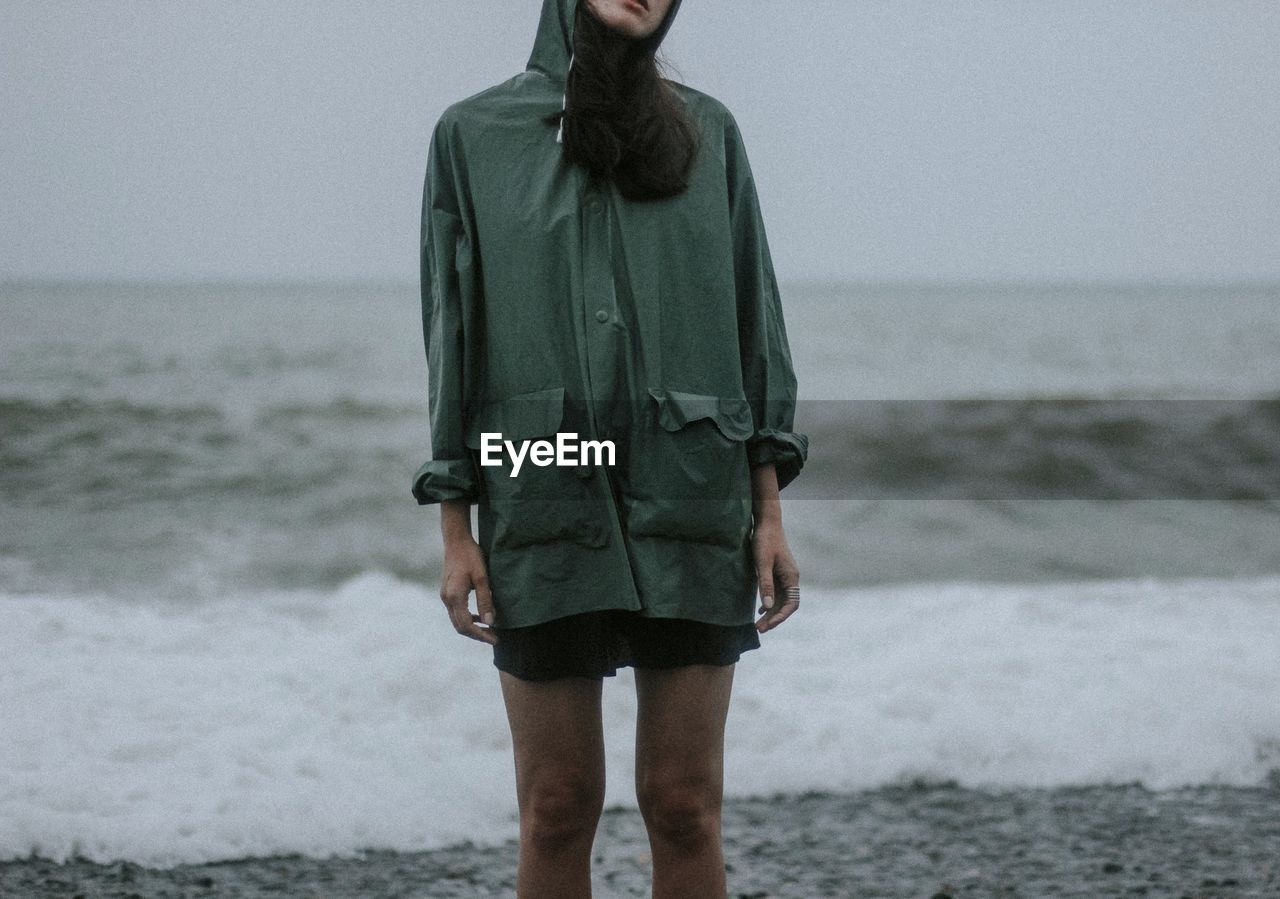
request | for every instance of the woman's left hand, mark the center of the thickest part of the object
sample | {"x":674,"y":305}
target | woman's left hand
{"x":776,"y":569}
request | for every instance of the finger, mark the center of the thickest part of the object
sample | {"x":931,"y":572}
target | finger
{"x":484,"y":599}
{"x":476,"y":632}
{"x":781,"y":613}
{"x":465,"y":622}
{"x":455,"y":604}
{"x":778,"y":614}
{"x":762,"y":624}
{"x":787,"y":576}
{"x":765,"y":573}
{"x":456,"y":608}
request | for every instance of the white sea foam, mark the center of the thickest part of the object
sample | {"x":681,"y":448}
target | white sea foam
{"x":329,"y":723}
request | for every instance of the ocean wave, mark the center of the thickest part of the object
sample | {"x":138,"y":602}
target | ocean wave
{"x":1041,"y":448}
{"x":117,"y":451}
{"x":332,"y":721}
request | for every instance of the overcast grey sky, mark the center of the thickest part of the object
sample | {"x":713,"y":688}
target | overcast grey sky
{"x":902,"y":140}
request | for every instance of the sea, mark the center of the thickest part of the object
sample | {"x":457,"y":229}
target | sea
{"x":1038,"y":534}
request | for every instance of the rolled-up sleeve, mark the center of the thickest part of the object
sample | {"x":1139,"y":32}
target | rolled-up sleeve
{"x":448,"y":282}
{"x":767,"y":373}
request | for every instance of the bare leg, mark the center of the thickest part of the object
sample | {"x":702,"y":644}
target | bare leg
{"x":558,"y":740}
{"x":680,"y":775}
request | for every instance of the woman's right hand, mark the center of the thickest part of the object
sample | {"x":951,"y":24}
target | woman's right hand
{"x":464,"y":571}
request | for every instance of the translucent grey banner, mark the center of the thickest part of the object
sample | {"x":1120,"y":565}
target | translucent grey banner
{"x":1040,"y":449}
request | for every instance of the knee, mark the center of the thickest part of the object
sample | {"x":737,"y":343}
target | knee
{"x":682,"y":810}
{"x":559,"y":811}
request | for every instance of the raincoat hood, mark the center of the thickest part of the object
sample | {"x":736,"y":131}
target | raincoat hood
{"x":553,"y":46}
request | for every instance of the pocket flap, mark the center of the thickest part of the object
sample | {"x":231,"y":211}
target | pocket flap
{"x":732,"y":415}
{"x":523,"y":416}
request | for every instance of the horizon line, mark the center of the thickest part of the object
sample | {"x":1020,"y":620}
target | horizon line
{"x":792,"y":283}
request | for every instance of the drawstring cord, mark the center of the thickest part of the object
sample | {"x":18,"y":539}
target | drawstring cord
{"x":564,"y":100}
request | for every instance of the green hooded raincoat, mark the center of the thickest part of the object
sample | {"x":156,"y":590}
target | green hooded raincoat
{"x":552,"y":306}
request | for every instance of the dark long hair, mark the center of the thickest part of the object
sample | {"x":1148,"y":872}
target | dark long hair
{"x":623,"y":121}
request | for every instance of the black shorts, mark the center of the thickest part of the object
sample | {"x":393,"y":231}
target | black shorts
{"x":597,"y":644}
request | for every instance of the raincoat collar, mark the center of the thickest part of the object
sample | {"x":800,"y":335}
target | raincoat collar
{"x":553,"y":46}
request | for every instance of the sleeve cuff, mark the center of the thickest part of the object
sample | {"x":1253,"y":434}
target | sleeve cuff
{"x":787,"y":450}
{"x":445,"y":479}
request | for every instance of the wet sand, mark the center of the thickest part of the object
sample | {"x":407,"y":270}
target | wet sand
{"x":928,"y":841}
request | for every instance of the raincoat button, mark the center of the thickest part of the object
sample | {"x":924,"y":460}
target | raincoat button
{"x":594,"y":205}
{"x":602,"y":316}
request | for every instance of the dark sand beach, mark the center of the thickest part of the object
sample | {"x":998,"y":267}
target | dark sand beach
{"x":924,"y":840}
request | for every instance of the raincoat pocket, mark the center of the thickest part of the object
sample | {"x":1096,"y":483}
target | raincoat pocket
{"x":688,"y":473}
{"x":540,"y":503}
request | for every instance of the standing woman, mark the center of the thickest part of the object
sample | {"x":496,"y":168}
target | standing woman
{"x":594,"y":264}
